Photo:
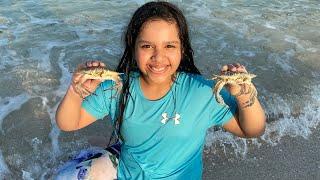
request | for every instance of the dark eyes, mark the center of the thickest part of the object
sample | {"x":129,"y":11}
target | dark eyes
{"x":170,"y":46}
{"x":146,"y":46}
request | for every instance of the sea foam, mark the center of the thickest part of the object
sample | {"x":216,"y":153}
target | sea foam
{"x":9,"y":104}
{"x":286,"y":123}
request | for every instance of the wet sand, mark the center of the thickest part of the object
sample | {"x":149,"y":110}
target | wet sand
{"x":294,"y":158}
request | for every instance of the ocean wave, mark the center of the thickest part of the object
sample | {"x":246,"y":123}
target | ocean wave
{"x":282,"y":121}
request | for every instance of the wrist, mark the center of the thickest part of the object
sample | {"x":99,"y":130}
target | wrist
{"x":246,"y":96}
{"x":242,"y":98}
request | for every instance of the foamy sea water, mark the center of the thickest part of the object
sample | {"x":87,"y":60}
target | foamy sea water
{"x":41,"y":42}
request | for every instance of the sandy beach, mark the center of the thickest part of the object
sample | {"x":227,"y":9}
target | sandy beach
{"x":293,"y":158}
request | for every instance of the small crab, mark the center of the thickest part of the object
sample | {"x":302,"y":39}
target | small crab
{"x":99,"y":73}
{"x":235,"y":78}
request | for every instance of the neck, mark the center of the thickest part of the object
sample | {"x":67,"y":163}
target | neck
{"x":154,"y":91}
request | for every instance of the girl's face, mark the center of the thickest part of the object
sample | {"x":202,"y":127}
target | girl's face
{"x":158,"y":51}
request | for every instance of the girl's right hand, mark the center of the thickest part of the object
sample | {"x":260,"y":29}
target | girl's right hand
{"x":81,"y":84}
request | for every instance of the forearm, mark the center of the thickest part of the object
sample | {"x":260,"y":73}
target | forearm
{"x":251,"y":118}
{"x":68,"y":112}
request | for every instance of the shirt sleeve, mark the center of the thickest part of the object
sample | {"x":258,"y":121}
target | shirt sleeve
{"x":221,"y":114}
{"x":98,"y":103}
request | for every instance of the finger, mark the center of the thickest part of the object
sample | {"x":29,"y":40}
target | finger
{"x":95,"y":63}
{"x":89,"y":63}
{"x":239,"y":68}
{"x":242,"y":69}
{"x":98,"y":64}
{"x":224,"y":69}
{"x":237,"y":65}
{"x":232,"y":68}
{"x":102,"y":64}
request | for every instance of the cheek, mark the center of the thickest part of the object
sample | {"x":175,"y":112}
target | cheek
{"x":176,"y":57}
{"x":140,"y":57}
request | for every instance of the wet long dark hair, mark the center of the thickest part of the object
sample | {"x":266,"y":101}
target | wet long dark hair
{"x":127,"y":65}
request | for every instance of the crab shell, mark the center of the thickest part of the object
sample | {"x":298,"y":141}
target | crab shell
{"x":235,"y":78}
{"x":99,"y":74}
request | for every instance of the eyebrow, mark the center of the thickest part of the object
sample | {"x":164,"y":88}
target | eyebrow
{"x":167,"y":42}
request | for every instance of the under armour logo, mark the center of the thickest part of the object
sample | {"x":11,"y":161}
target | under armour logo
{"x":165,"y":118}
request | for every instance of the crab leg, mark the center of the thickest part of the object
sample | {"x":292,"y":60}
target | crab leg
{"x":217,"y":90}
{"x":82,"y":91}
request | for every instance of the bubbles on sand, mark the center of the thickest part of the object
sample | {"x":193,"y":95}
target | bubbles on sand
{"x":284,"y":60}
{"x":26,"y":175}
{"x":3,"y":166}
{"x":35,"y":143}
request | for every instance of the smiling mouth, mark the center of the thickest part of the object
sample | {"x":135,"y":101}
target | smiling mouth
{"x":159,"y":69}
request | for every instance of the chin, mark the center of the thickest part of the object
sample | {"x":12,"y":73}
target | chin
{"x":160,"y":79}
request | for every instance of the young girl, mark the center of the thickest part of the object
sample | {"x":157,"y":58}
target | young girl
{"x":165,"y":106}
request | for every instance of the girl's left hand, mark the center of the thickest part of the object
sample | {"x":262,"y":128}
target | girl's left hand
{"x":233,"y":68}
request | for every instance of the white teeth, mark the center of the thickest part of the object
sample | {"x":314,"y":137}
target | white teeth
{"x":157,"y":69}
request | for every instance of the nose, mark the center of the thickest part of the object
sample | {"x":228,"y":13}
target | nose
{"x":158,"y":55}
